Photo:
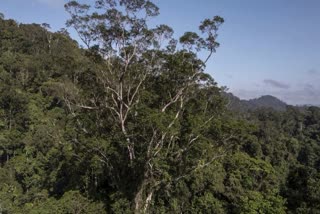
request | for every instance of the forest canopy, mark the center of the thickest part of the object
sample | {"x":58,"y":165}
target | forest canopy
{"x":127,"y":121}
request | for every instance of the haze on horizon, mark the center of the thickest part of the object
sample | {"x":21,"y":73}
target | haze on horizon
{"x":267,"y":47}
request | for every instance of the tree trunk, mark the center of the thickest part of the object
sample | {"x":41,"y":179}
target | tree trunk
{"x":138,"y":200}
{"x":143,"y":198}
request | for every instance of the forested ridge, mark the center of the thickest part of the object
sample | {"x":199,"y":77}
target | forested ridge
{"x":129,"y":122}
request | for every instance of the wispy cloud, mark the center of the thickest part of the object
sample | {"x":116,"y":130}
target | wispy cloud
{"x":299,"y":95}
{"x":276,"y":84}
{"x":311,"y":90}
{"x":303,"y":90}
{"x":313,"y":71}
{"x":307,"y":95}
{"x":229,"y":76}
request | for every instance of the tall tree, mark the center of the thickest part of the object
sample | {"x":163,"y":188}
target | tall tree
{"x":154,"y":89}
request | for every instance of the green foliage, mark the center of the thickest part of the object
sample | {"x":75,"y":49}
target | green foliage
{"x":255,"y":202}
{"x":137,"y":126}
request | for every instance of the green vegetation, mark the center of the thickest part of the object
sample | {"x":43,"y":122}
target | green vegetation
{"x":131,"y":124}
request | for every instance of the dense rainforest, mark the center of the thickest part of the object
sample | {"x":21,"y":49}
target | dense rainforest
{"x":126,"y":121}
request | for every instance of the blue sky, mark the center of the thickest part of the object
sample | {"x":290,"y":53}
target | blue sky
{"x":267,"y":46}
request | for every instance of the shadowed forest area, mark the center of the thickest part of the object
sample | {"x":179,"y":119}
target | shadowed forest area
{"x":127,"y":121}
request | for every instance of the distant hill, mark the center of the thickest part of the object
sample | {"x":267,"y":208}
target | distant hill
{"x":267,"y":101}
